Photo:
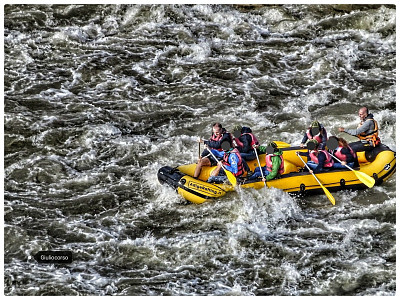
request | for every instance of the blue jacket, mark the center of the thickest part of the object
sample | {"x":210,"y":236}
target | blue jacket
{"x":233,"y":160}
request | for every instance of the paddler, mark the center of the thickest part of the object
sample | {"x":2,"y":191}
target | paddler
{"x":339,"y":148}
{"x":245,"y":142}
{"x":317,"y":132}
{"x":232,"y":161}
{"x":218,"y":136}
{"x":320,"y":159}
{"x":274,"y":164}
{"x":367,"y":132}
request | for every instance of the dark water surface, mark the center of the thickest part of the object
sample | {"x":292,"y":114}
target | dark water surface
{"x":98,"y":97}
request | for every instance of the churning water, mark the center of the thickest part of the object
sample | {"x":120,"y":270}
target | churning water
{"x":99,"y":97}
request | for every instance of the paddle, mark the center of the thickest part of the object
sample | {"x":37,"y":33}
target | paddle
{"x":255,"y":150}
{"x":327,"y":193}
{"x":231,"y":177}
{"x":199,"y":150}
{"x":364,"y":178}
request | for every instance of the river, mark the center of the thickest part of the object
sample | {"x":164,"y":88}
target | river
{"x":98,"y":97}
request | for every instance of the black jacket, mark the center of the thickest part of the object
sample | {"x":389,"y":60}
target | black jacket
{"x":226,"y":136}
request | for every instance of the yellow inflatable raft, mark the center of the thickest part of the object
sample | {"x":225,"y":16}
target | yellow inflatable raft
{"x":379,"y":163}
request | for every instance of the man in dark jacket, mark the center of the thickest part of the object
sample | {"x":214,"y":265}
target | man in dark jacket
{"x":246,"y":142}
{"x":218,"y":136}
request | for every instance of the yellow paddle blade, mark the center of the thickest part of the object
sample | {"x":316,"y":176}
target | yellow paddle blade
{"x":364,"y":178}
{"x":329,"y":195}
{"x":282,"y":144}
{"x":231,"y":178}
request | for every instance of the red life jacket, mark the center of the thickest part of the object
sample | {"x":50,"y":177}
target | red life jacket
{"x":240,"y":166}
{"x":328,"y":161}
{"x":254,"y":140}
{"x":317,"y":137}
{"x":268,"y":163}
{"x":214,"y":138}
{"x":341,"y":156}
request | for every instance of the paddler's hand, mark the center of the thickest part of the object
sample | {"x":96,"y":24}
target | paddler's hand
{"x":341,"y":129}
{"x":343,"y":163}
{"x":220,"y":164}
{"x":302,"y":145}
{"x":311,"y":171}
{"x":264,"y":179}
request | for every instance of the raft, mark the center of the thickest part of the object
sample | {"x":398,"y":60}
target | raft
{"x":379,"y":163}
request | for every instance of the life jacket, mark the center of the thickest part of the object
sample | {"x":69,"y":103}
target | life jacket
{"x":215,"y":138}
{"x":268,"y":163}
{"x":317,"y":137}
{"x":240,"y":166}
{"x":328,"y":161}
{"x":341,"y":156}
{"x":371,"y":136}
{"x":254,"y":140}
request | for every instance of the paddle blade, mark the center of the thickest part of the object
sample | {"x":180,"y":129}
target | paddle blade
{"x":231,"y":178}
{"x":329,"y":195}
{"x":366,"y":179}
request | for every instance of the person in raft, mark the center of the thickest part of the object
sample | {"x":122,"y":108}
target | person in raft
{"x":317,"y":132}
{"x":339,"y":148}
{"x":232,"y":162}
{"x":245,"y":142}
{"x":319,"y":159}
{"x":367,"y":132}
{"x":218,"y":136}
{"x":274,"y":164}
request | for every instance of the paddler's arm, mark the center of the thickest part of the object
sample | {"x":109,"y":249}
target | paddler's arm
{"x":321,"y":162}
{"x":305,"y":138}
{"x":324,"y":139}
{"x":363,"y":128}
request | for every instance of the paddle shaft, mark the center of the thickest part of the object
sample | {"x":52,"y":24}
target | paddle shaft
{"x":327,"y":193}
{"x":229,"y":175}
{"x":309,"y":169}
{"x":212,"y":154}
{"x":199,"y":150}
{"x":255,"y":150}
{"x":339,"y":161}
{"x":364,"y":178}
